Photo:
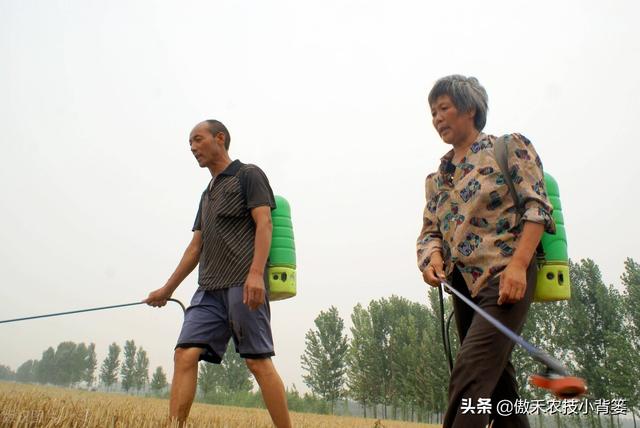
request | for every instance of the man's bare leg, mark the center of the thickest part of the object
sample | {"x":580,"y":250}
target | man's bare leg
{"x":183,"y":386}
{"x":272,"y":390}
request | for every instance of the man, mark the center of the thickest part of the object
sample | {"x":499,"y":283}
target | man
{"x":231,"y":242}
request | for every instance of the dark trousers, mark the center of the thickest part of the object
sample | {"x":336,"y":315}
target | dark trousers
{"x":482,"y":368}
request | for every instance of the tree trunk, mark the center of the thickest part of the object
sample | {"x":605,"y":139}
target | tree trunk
{"x":558,"y":422}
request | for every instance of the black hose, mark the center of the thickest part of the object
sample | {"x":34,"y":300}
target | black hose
{"x":448,"y":332}
{"x":87,"y":310}
{"x":445,"y":334}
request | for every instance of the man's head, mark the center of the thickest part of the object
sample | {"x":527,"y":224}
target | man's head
{"x":216,"y":127}
{"x":209,"y":141}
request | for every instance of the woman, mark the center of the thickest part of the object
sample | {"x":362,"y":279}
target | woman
{"x":474,"y":235}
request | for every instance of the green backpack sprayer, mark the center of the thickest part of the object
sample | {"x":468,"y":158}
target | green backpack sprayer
{"x":553,"y":260}
{"x":282,"y":256}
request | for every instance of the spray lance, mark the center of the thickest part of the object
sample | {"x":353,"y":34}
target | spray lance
{"x":86,"y":310}
{"x":554,"y":378}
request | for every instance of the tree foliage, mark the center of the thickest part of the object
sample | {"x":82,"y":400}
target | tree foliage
{"x":236,"y":377}
{"x":231,"y":377}
{"x":127,"y":370}
{"x":631,"y":304}
{"x":141,"y":369}
{"x":109,"y":369}
{"x":324,"y":359}
{"x":90,"y":365}
{"x":158,"y":380}
{"x":6,"y":373}
{"x":396,"y":358}
{"x":47,"y":367}
{"x":67,"y":365}
{"x":361,"y":380}
{"x":27,"y":372}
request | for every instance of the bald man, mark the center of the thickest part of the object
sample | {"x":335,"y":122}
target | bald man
{"x":231,"y":242}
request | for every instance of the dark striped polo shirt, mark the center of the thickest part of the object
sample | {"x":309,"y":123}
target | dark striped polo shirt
{"x":228,"y":230}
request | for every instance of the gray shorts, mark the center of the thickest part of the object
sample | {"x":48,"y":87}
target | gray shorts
{"x":216,"y":316}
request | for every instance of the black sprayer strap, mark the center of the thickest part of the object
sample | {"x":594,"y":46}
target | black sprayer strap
{"x":445,"y":332}
{"x":502,"y":157}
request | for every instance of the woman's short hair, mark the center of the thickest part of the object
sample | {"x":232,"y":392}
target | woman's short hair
{"x":466,"y":93}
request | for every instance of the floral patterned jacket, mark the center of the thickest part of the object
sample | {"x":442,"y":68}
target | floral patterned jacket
{"x":470,"y":215}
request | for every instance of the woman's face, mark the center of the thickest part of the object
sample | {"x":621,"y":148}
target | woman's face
{"x":452,"y":126}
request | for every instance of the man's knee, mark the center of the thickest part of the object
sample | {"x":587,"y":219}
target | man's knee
{"x":185,"y":358}
{"x":260,"y":366}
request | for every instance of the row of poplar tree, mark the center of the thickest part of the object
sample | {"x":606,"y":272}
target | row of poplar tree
{"x":70,"y":364}
{"x":393,"y":361}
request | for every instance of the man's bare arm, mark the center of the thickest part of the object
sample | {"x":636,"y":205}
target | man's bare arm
{"x":254,"y":287}
{"x":187,"y":264}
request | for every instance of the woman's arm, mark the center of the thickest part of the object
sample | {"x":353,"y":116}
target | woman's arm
{"x":513,"y":280}
{"x":429,"y":244}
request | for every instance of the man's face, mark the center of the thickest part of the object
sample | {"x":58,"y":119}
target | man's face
{"x":205,"y":147}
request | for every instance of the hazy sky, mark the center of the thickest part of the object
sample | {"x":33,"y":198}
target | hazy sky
{"x":99,"y":190}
